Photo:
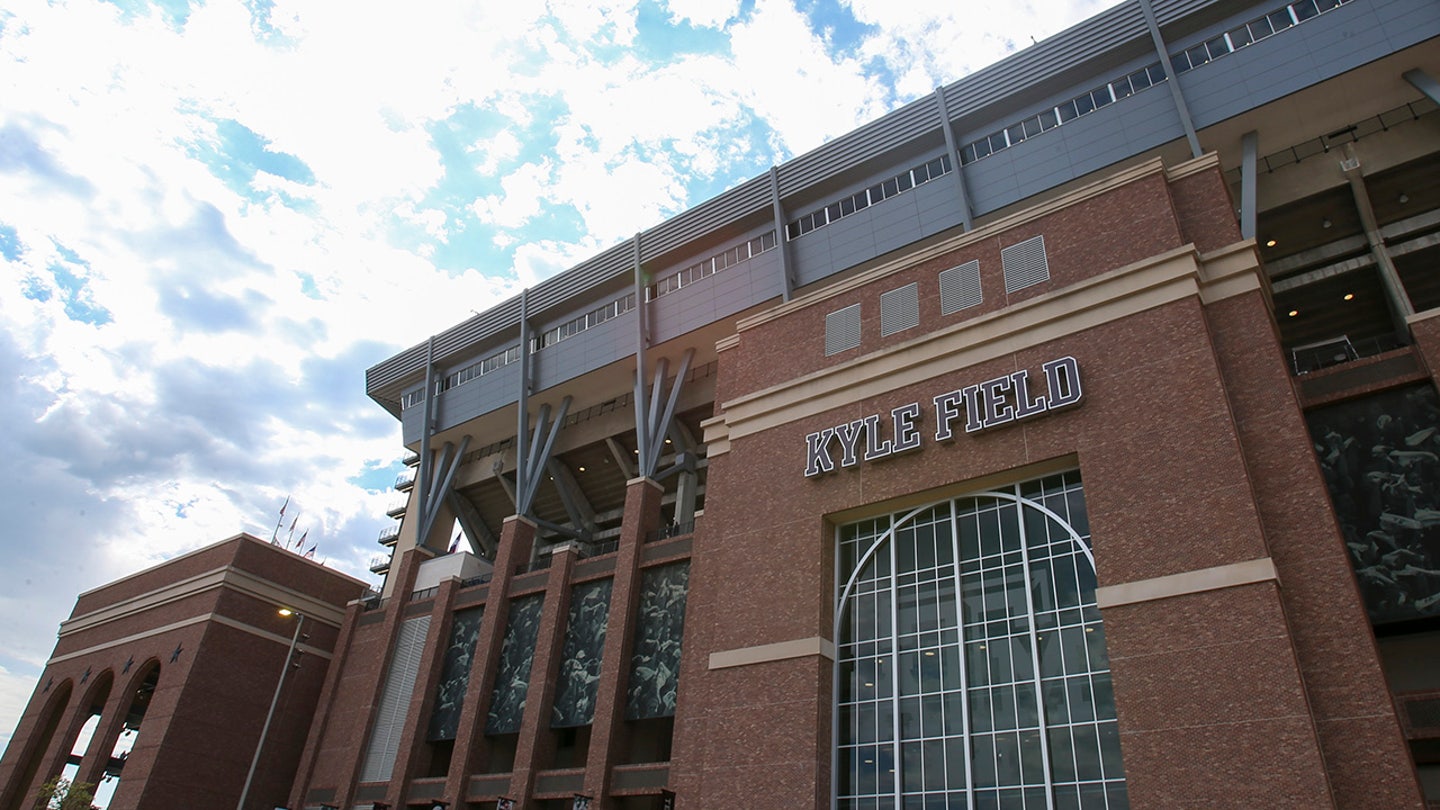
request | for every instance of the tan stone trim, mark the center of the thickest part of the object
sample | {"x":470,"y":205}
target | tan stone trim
{"x":726,"y":343}
{"x":717,"y":436}
{"x":223,"y":577}
{"x":204,"y":617}
{"x":780,"y":651}
{"x":1209,"y":160}
{"x":1230,"y":271}
{"x":1206,"y":579}
{"x":1120,"y":293}
{"x":1422,"y":315}
{"x":987,"y":231}
{"x":644,"y":480}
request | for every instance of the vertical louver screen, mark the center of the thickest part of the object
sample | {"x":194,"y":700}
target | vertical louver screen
{"x":1025,"y":264}
{"x":900,"y":309}
{"x":395,"y":701}
{"x":842,"y":330}
{"x":960,"y":288}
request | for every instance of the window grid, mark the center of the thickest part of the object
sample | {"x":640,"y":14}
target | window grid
{"x":1000,"y":698}
{"x":860,"y":200}
{"x":1260,"y":28}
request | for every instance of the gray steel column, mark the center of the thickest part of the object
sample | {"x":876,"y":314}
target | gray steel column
{"x":427,"y":433}
{"x":966,"y":219}
{"x":522,"y":416}
{"x":781,"y":241}
{"x":642,"y":342}
{"x":1173,"y":80}
{"x":1249,"y":149}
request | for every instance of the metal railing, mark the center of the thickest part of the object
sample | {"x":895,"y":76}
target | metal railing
{"x":673,"y":529}
{"x":1339,"y":350}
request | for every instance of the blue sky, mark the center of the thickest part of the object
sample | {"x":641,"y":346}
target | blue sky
{"x":215,"y":216}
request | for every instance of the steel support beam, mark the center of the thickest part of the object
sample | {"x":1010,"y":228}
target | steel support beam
{"x":1172,"y":79}
{"x":952,"y":146}
{"x":577,"y":506}
{"x":787,"y":276}
{"x":622,"y":459}
{"x":450,"y":457}
{"x":1249,"y":176}
{"x":482,"y":541}
{"x":1401,"y":308}
{"x":529,"y":469}
{"x":652,"y":421}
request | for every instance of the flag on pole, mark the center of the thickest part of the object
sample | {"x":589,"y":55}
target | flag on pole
{"x":291,"y":539}
{"x":275,"y":535}
{"x":310,"y":555}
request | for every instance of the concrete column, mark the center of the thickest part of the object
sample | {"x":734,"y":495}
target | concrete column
{"x":607,"y":732}
{"x":472,"y":749}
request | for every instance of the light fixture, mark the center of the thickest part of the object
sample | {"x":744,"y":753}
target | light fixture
{"x":1326,"y":223}
{"x":1349,"y":296}
{"x":1270,"y":243}
{"x":1403,"y":198}
{"x":582,"y":469}
{"x":438,"y":805}
{"x":284,"y":611}
{"x":1294,"y":312}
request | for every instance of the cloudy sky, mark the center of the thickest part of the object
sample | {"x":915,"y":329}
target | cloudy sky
{"x":214,"y":217}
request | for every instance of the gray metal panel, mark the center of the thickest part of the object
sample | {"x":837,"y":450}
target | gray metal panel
{"x":939,"y":207}
{"x":810,"y":255}
{"x":598,"y":346}
{"x":1321,"y":48}
{"x":412,"y":422}
{"x":479,"y":396}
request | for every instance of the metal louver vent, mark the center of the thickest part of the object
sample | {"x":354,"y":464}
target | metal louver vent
{"x":899,"y":309}
{"x":395,"y":701}
{"x":960,"y":288}
{"x":842,"y":330}
{"x":1025,"y":264}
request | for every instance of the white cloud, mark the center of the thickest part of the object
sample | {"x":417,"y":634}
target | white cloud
{"x":930,"y":43}
{"x":703,"y":13}
{"x":785,"y":73}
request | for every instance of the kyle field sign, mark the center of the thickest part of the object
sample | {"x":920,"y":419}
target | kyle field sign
{"x":982,"y":406}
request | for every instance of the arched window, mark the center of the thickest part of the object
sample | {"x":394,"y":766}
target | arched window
{"x":999,"y":698}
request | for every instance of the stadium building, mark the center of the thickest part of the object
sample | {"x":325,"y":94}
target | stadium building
{"x":1068,"y":438}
